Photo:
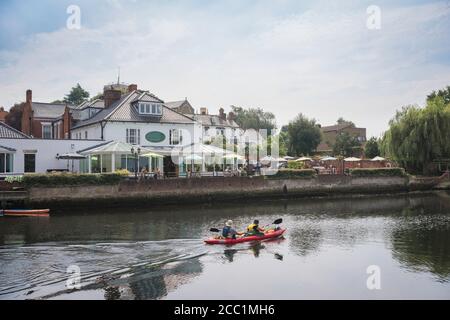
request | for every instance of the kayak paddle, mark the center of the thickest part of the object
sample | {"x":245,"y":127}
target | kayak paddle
{"x":278,"y":221}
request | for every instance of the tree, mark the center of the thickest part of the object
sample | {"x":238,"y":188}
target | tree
{"x":417,"y":136}
{"x":77,"y":95}
{"x":345,"y":144}
{"x":304,"y":136}
{"x":14,"y":117}
{"x":443,"y":93}
{"x":371,"y":150}
{"x":254,"y":118}
{"x":343,"y":121}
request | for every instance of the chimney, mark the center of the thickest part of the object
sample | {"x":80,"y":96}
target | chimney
{"x":222,"y":114}
{"x":29,"y":96}
{"x":132,"y":87}
{"x":203,"y":111}
{"x":231,"y":116}
{"x":110,"y":95}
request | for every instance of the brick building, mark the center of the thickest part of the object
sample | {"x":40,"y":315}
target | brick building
{"x":46,"y":120}
{"x":330,"y":133}
{"x":3,"y":114}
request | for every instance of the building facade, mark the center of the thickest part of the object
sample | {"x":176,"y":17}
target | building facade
{"x":45,"y":120}
{"x":330,"y":133}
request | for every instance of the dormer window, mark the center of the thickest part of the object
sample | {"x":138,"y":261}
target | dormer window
{"x":148,"y":108}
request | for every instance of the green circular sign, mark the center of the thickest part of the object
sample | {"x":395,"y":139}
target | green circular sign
{"x":155,"y":136}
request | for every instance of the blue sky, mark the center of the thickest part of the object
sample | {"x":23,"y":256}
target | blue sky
{"x":287,"y":56}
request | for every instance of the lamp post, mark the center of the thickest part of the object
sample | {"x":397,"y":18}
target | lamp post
{"x":135,"y":153}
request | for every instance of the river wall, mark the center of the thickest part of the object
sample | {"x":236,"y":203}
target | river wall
{"x":213,"y":189}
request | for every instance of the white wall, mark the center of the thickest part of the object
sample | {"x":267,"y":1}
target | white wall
{"x":116,"y":131}
{"x":46,"y":151}
{"x":94,"y":132}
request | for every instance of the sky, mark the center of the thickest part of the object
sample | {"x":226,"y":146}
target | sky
{"x":288,"y":57}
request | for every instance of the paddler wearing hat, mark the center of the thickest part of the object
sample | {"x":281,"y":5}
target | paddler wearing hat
{"x":228,"y":231}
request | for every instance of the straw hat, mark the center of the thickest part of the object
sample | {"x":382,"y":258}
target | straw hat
{"x":229,"y":223}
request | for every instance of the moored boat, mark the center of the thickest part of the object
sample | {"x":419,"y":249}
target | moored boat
{"x":270,"y":234}
{"x":26,"y":213}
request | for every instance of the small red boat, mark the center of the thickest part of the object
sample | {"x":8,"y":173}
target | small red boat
{"x":27,"y":213}
{"x":271,"y":234}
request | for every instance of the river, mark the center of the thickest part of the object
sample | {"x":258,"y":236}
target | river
{"x":377,"y":247}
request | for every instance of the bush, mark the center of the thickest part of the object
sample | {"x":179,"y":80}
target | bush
{"x":378,"y":172}
{"x":12,"y":179}
{"x":122,"y":172}
{"x":296,"y":165}
{"x":70,"y":179}
{"x":294,"y":174}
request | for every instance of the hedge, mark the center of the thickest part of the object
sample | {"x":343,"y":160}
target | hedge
{"x":294,"y":174}
{"x":378,"y":172}
{"x":70,"y":179}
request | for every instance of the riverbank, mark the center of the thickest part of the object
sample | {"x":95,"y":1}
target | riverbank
{"x":213,"y":190}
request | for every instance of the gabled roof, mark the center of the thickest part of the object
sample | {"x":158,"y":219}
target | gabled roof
{"x":7,"y":131}
{"x":125,"y":110}
{"x":174,"y":104}
{"x":48,"y":110}
{"x":336,"y":127}
{"x":214,"y":120}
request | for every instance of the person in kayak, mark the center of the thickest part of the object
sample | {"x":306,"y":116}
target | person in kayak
{"x":228,"y":231}
{"x":254,"y":229}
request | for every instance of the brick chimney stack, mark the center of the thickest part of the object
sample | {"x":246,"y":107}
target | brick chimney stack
{"x":231,"y":116}
{"x":204,"y":111}
{"x":222,"y":114}
{"x":132,"y":87}
{"x":29,"y":96}
{"x":110,"y":96}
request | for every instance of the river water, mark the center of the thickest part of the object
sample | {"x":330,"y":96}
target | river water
{"x":378,"y":247}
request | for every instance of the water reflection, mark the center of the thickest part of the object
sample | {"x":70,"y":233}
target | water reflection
{"x":152,"y":254}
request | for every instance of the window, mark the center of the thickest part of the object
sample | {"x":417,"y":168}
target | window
{"x":85,"y":135}
{"x":30,"y":162}
{"x":175,"y":137}
{"x":133,"y":136}
{"x":6,"y":163}
{"x":46,"y":131}
{"x":150,"y":109}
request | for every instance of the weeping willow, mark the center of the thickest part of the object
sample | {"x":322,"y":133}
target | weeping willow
{"x":417,"y":136}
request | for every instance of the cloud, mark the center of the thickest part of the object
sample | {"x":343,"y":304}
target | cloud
{"x":318,"y":59}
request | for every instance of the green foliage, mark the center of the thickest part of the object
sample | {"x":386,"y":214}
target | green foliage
{"x":371,"y":150}
{"x":343,"y":121}
{"x":254,"y":118}
{"x":378,"y":172}
{"x":14,"y":116}
{"x":64,"y":179}
{"x":12,"y":179}
{"x":294,"y":174}
{"x":296,"y":165}
{"x":345,"y":144}
{"x":443,"y":93}
{"x":77,"y":96}
{"x":417,"y":136}
{"x":304,"y":136}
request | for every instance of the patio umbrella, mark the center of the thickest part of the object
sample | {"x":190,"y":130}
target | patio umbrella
{"x":288,"y":158}
{"x":328,"y":159}
{"x":303,"y":159}
{"x":352,"y":159}
{"x":152,"y":155}
{"x":377,"y":158}
{"x":70,"y":156}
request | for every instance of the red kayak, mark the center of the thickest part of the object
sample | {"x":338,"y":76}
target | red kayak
{"x":271,"y":234}
{"x":27,"y":213}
